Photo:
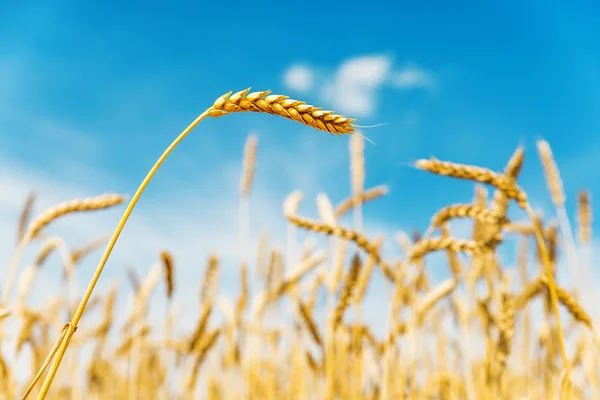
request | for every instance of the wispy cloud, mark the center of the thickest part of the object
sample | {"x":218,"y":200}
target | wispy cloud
{"x":299,"y":78}
{"x":412,"y":77}
{"x":353,"y":87}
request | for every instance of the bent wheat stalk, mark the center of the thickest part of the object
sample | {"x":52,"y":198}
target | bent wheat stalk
{"x":242,"y":101}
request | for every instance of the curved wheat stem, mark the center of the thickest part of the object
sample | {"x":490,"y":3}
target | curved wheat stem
{"x":241,"y":101}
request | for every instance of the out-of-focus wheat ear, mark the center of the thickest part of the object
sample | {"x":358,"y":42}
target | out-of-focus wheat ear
{"x":370,"y":194}
{"x":248,"y":165}
{"x":511,"y":170}
{"x":209,"y":284}
{"x":584,"y":218}
{"x":48,"y":216}
{"x":426,"y":246}
{"x":264,"y":102}
{"x":48,"y":246}
{"x":477,"y":174}
{"x":310,"y":323}
{"x":76,"y":205}
{"x":571,"y":304}
{"x":325,"y":209}
{"x":506,"y":327}
{"x":553,"y":180}
{"x":557,"y":194}
{"x":348,"y":290}
{"x":248,"y":168}
{"x":134,"y":280}
{"x":207,"y":343}
{"x":476,"y":212}
{"x":367,"y":271}
{"x":242,"y":301}
{"x":169,"y":269}
{"x":79,"y":254}
{"x":357,"y":176}
{"x":262,"y":255}
{"x":341,"y":232}
{"x":25,"y":215}
{"x":200,"y":328}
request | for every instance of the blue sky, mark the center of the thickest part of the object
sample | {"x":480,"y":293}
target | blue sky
{"x":90,"y":95}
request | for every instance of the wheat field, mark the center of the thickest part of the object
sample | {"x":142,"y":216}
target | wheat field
{"x":474,"y":335}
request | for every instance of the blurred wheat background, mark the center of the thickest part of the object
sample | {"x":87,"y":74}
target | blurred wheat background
{"x":268,"y":260}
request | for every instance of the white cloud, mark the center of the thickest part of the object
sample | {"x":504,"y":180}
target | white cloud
{"x":352,"y":88}
{"x":299,"y":78}
{"x":412,"y":77}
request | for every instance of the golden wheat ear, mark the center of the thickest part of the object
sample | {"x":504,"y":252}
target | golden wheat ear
{"x":283,"y":106}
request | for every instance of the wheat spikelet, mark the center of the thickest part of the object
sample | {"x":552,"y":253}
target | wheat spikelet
{"x":367,"y":195}
{"x":168,"y":268}
{"x":264,"y":102}
{"x":478,"y":174}
{"x":68,"y":207}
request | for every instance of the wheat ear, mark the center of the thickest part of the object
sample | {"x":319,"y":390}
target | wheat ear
{"x":242,"y":101}
{"x":25,"y":215}
{"x":47,"y":217}
{"x":557,"y":193}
